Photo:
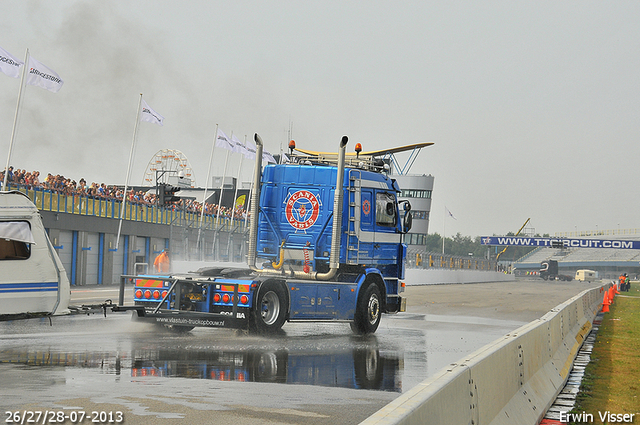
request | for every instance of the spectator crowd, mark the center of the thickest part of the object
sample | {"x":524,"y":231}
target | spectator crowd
{"x":67,"y":186}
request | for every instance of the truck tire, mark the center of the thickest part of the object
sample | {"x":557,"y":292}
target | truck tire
{"x":369,"y":368}
{"x":267,"y":366}
{"x":270,"y":308}
{"x":368,"y":311}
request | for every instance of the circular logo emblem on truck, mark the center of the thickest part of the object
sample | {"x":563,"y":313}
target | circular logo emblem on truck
{"x":302,"y":209}
{"x":366,"y":207}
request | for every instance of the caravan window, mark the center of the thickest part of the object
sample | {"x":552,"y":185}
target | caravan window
{"x":15,"y":240}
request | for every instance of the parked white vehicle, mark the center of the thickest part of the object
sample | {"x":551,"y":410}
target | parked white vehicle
{"x":33,"y":281}
{"x":587,"y":275}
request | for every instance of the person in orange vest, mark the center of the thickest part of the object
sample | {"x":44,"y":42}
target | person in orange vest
{"x":161,"y":263}
{"x":621,"y":280}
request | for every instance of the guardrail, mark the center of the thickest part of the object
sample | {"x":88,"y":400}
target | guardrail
{"x":432,"y":260}
{"x":513,"y":380}
{"x":47,"y":200}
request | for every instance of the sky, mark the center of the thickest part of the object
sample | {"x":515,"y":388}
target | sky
{"x":533,"y":106}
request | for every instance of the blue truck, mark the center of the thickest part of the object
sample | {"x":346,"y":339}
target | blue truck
{"x":315,"y":253}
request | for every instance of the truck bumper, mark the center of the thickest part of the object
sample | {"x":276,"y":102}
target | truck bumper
{"x":188,"y":318}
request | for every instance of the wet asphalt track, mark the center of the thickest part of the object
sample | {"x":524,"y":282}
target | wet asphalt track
{"x":314,"y":373}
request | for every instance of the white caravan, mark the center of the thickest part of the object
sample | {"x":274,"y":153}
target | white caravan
{"x":587,"y":275}
{"x":33,"y":281}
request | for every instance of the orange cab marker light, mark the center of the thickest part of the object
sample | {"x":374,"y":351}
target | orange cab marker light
{"x":147,"y":294}
{"x":226,"y":298}
{"x":402,"y":284}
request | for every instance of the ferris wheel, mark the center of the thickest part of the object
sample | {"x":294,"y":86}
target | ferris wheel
{"x":167,"y":163}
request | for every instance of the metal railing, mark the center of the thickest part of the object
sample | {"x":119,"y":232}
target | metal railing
{"x":431,"y":260}
{"x":58,"y":202}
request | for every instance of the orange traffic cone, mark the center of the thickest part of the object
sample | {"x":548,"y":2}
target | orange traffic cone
{"x":605,"y":303}
{"x":611,"y":294}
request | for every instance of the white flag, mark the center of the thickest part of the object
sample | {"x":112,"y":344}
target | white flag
{"x":223,"y":141}
{"x":251,"y":153}
{"x":240,"y":147}
{"x":9,"y":64}
{"x":41,"y":76}
{"x":149,"y":115}
{"x":266,"y":156}
{"x":251,"y":150}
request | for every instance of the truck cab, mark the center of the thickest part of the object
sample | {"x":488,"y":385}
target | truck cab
{"x":296,"y":218}
{"x":294,"y":234}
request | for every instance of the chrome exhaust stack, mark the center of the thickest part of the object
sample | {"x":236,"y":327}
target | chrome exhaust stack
{"x":255,"y":199}
{"x":334,"y":256}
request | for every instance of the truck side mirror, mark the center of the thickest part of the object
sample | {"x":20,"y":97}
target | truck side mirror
{"x":407,"y":222}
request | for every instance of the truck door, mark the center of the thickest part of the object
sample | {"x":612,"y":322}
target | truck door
{"x":386,"y":238}
{"x":366,"y":235}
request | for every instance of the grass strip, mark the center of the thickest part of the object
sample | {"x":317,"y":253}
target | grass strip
{"x":612,"y":379}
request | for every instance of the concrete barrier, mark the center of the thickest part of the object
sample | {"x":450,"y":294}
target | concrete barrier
{"x":513,"y":380}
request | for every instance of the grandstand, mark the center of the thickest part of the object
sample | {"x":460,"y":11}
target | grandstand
{"x":609,"y":263}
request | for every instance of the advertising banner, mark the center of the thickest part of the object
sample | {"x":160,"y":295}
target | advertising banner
{"x":559,"y":242}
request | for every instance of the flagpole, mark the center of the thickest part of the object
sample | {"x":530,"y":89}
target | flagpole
{"x":235,"y":197}
{"x":224,"y":174}
{"x":15,"y":119}
{"x":444,"y":222}
{"x":206,"y":186}
{"x":126,"y":184}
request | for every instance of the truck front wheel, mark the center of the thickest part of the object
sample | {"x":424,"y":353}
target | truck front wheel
{"x":368,"y":311}
{"x":270,"y":312}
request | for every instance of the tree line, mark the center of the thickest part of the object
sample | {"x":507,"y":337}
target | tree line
{"x":465,"y":245}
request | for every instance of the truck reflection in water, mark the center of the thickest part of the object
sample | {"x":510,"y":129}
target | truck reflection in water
{"x":364,"y":368}
{"x":359,"y":368}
